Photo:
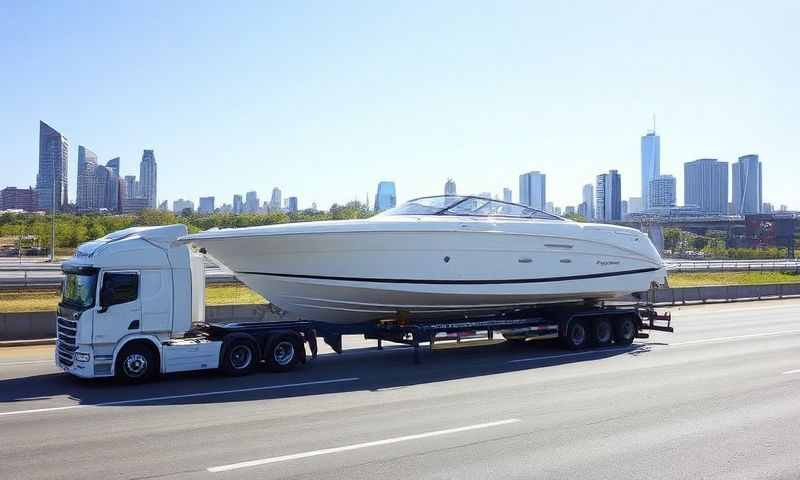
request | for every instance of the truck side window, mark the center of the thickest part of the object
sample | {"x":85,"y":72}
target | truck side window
{"x":124,"y":287}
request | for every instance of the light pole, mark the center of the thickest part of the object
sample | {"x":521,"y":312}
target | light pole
{"x":53,"y":215}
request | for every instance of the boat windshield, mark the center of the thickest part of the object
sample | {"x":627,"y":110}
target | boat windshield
{"x":467,"y":206}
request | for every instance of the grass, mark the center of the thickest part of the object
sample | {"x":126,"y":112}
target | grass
{"x":698,"y":279}
{"x":46,"y":300}
{"x":236,"y":294}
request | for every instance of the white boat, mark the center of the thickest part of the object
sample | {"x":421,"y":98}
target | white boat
{"x":435,"y":255}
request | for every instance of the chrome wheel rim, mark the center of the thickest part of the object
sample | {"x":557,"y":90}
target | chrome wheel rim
{"x":135,"y":365}
{"x":241,"y":356}
{"x":283,"y":353}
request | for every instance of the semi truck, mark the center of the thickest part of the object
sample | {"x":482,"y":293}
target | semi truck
{"x":133,"y":307}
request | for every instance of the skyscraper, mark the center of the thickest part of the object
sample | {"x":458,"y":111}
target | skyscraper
{"x":291,"y":204}
{"x":533,"y":190}
{"x":251,"y":202}
{"x":53,"y":163}
{"x":507,"y":196}
{"x":206,"y":205}
{"x":148,"y":178}
{"x":450,"y":187}
{"x":386,"y":197}
{"x":275,"y":201}
{"x":662,"y":191}
{"x":747,"y":195}
{"x":131,"y":187}
{"x":608,"y":196}
{"x":634,"y":204}
{"x":588,"y":199}
{"x":706,"y":185}
{"x":238,"y":205}
{"x":87,"y":163}
{"x":113,"y":164}
{"x":651,"y":163}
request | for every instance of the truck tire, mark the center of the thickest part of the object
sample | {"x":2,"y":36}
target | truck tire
{"x":282,"y":353}
{"x":136,"y":363}
{"x":624,"y":331}
{"x":602,"y":332}
{"x":576,"y":335}
{"x":239,"y":357}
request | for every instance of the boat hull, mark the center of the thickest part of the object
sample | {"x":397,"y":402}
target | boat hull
{"x":460,"y":268}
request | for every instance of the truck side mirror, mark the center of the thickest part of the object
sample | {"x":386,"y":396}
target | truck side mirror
{"x":106,"y":297}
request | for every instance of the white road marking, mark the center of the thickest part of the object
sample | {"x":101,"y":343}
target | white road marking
{"x":789,"y":372}
{"x":574,"y":354}
{"x":30,"y":362}
{"x":388,"y":441}
{"x":176,"y":397}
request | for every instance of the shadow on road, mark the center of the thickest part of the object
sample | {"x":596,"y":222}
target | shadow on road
{"x":391,"y":368}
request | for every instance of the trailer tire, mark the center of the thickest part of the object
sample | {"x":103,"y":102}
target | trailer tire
{"x":624,"y":331}
{"x":136,"y":363}
{"x":239,"y":356}
{"x":282,"y":352}
{"x":602,"y":332}
{"x":576,"y":335}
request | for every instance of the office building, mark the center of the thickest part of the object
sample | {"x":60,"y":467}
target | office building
{"x":103,"y":191}
{"x":291,"y":204}
{"x":706,"y":185}
{"x":135,"y":205}
{"x":13,"y":198}
{"x":548,"y":207}
{"x":634,"y":204}
{"x":87,"y":163}
{"x":608,"y":196}
{"x":651,"y":163}
{"x":386,"y":197}
{"x":507,"y":195}
{"x":587,"y":195}
{"x":533,"y":190}
{"x":251,"y":202}
{"x":569,"y":210}
{"x":51,"y":181}
{"x":131,"y":187}
{"x":624,"y":208}
{"x":746,"y":185}
{"x":450,"y":187}
{"x":275,"y":201}
{"x":206,"y":205}
{"x":767,"y":207}
{"x":238,"y":204}
{"x":662,"y":192}
{"x":113,"y":164}
{"x":179,"y":205}
{"x":148,"y":178}
{"x":583,"y":210}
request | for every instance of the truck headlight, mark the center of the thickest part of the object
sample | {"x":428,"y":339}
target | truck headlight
{"x":82,"y":357}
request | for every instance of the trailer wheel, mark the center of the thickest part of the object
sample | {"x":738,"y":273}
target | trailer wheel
{"x":576,"y":335}
{"x":136,"y":363}
{"x":602,"y":332}
{"x":239,"y":357}
{"x":282,"y":353}
{"x":624,"y":331}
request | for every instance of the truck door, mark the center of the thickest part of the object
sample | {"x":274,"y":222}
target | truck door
{"x":119,"y":309}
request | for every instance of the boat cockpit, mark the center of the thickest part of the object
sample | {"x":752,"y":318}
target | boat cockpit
{"x":467,"y":205}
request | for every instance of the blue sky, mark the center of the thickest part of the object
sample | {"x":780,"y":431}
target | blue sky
{"x":325,"y":99}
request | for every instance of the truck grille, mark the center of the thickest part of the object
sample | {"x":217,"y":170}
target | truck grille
{"x":66,"y":333}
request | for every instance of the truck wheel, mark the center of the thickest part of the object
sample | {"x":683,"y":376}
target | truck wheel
{"x":136,"y":363}
{"x":624,"y":331}
{"x":602,"y":332}
{"x":576,"y":336}
{"x":282,"y":353}
{"x":240,"y":357}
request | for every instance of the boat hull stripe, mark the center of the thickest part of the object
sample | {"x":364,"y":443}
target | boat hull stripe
{"x":456,"y":282}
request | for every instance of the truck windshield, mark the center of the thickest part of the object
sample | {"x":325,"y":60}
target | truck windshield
{"x":79,"y":289}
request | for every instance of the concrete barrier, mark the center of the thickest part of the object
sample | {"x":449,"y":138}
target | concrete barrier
{"x":36,"y":325}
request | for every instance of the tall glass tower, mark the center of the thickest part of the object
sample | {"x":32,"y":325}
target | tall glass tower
{"x":747,"y":195}
{"x":651,"y":163}
{"x":87,"y":163}
{"x":148,"y":178}
{"x":533,"y":190}
{"x":53,"y":162}
{"x":706,"y":185}
{"x":386,"y":197}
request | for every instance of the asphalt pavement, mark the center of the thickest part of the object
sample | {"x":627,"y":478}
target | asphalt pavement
{"x":718,"y":399}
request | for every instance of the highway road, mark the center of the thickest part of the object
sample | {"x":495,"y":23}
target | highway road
{"x":719,"y":399}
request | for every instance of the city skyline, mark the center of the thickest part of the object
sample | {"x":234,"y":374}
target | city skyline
{"x":536,"y":108}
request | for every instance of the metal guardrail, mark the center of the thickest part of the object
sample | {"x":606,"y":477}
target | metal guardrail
{"x":790,"y":266}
